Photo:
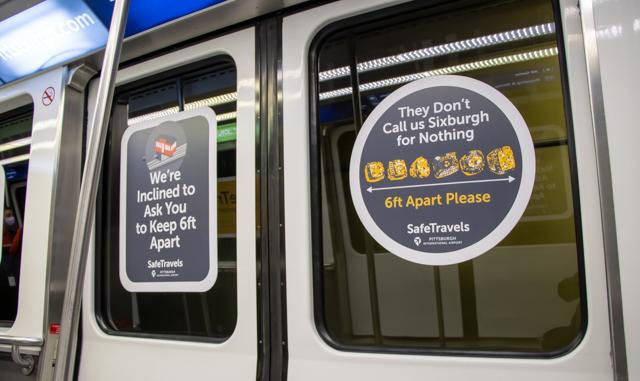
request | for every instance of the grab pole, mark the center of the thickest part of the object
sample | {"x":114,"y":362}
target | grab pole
{"x":83,"y":228}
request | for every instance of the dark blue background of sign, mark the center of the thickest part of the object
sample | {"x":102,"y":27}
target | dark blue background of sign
{"x":146,"y":14}
{"x":194,"y":244}
{"x":482,"y":218}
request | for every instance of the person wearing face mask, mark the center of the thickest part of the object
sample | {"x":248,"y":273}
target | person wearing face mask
{"x":10,"y":266}
{"x":16,"y":242}
{"x":9,"y":229}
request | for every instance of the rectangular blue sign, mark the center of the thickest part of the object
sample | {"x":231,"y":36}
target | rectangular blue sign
{"x":47,"y":34}
{"x":55,"y":32}
{"x":146,"y":14}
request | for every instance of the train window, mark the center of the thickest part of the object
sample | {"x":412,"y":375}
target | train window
{"x":15,"y":143}
{"x":522,"y":298}
{"x":209,"y":315}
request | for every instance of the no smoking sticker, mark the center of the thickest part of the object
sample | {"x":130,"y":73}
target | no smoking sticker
{"x":442,"y":170}
{"x":48,"y":96}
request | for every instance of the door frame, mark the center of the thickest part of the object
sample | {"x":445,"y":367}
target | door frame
{"x":310,"y":356}
{"x":41,"y":183}
{"x":105,"y":355}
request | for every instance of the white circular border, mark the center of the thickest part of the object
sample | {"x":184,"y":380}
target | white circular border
{"x":507,"y":223}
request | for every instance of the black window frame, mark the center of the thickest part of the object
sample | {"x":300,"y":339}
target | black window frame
{"x":18,"y":113}
{"x":180,"y":73}
{"x":315,"y":171}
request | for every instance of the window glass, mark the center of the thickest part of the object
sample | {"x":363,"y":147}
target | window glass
{"x":15,"y":143}
{"x":523,"y":297}
{"x":210,"y":314}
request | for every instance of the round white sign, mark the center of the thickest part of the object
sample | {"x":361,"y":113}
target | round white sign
{"x":442,"y":170}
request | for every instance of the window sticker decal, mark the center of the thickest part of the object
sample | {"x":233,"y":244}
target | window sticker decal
{"x":168,"y":204}
{"x":442,"y":170}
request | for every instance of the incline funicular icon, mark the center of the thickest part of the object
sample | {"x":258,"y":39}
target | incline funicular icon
{"x":165,"y":151}
{"x":163,"y":146}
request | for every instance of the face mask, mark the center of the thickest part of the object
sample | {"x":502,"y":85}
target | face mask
{"x":9,"y":220}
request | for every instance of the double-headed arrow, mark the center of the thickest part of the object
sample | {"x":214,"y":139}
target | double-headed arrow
{"x":372,"y":189}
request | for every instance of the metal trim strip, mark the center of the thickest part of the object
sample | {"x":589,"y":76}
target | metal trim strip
{"x":614,"y":291}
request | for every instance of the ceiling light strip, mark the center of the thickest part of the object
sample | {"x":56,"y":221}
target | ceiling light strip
{"x":15,"y":144}
{"x":174,"y":110}
{"x":212,"y":101}
{"x":207,"y":102}
{"x":153,"y":115}
{"x":444,"y":49}
{"x":492,"y":62}
{"x":227,"y":116}
{"x":15,"y":159}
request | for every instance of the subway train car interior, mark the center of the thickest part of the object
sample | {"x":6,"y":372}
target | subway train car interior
{"x":291,"y":190}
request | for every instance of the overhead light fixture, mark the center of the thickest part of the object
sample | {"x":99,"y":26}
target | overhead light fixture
{"x":153,"y":115}
{"x":207,"y":102}
{"x":444,"y":49}
{"x":227,"y":116}
{"x":476,"y":65}
{"x":15,"y":159}
{"x":15,"y":144}
{"x":212,"y":101}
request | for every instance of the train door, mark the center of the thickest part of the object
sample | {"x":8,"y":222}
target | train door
{"x":534,"y":306}
{"x":40,"y":179}
{"x":163,"y":335}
